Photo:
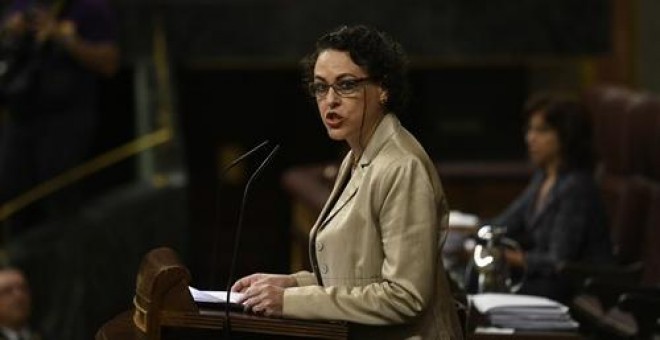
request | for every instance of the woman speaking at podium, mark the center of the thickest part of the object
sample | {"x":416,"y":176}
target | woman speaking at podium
{"x":375,"y":248}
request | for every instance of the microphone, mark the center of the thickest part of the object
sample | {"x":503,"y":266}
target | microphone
{"x":214,"y":252}
{"x":239,"y":227}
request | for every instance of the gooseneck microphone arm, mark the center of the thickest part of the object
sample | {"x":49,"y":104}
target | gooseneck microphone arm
{"x":216,"y":235}
{"x":239,"y":227}
{"x":244,"y":156}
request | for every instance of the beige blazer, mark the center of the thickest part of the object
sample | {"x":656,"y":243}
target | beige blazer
{"x":375,"y":248}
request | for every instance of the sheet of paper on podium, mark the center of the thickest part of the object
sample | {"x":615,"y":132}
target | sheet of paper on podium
{"x":216,"y":298}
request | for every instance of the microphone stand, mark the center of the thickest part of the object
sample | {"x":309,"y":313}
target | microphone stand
{"x":237,"y":237}
{"x":216,"y":236}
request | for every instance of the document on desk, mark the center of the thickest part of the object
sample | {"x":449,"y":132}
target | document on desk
{"x":459,"y":219}
{"x":524,"y":312}
{"x":214,"y":296}
{"x":510,"y":303}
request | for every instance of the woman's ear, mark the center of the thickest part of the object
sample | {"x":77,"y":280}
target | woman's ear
{"x":383,"y":97}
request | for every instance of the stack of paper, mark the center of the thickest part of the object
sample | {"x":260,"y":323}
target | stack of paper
{"x":524,"y":312}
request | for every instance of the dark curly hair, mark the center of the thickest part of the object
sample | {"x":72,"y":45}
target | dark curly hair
{"x":570,"y":119}
{"x":382,"y":58}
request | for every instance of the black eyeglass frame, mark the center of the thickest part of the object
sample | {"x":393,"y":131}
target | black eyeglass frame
{"x":343,"y":87}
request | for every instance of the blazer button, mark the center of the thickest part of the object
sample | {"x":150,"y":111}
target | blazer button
{"x":324,"y":269}
{"x":319,"y":246}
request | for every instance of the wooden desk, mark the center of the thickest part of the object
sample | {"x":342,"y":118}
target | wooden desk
{"x":210,"y":323}
{"x":248,"y":323}
{"x":122,"y":328}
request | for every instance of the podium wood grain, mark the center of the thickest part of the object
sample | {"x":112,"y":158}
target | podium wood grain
{"x":123,"y":328}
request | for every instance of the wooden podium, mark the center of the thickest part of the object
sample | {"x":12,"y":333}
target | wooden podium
{"x":164,"y":309}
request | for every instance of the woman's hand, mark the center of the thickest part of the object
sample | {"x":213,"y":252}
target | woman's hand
{"x":277,"y":280}
{"x":264,"y":293}
{"x":263,"y":298}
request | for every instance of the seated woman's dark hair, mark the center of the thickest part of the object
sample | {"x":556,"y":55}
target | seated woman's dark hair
{"x":570,"y":119}
{"x":379,"y":55}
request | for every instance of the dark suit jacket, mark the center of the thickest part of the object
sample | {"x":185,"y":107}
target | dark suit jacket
{"x":569,"y":227}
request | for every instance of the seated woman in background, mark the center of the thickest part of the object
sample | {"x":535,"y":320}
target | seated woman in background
{"x":559,"y":217}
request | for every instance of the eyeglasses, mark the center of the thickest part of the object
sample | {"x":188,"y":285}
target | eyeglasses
{"x":343,"y":88}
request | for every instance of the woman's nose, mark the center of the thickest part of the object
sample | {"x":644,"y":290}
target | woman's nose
{"x":529,"y":137}
{"x":332,"y":98}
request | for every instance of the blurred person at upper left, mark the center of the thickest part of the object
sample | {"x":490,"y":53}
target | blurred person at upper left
{"x":15,"y":306}
{"x":55,"y":51}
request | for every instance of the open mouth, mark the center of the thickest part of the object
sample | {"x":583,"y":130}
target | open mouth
{"x":333,"y":120}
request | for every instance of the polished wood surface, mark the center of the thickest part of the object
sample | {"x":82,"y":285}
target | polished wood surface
{"x":249,"y":323}
{"x":162,"y":285}
{"x":123,"y":328}
{"x":120,"y":327}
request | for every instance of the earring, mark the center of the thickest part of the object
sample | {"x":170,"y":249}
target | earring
{"x":383,"y":100}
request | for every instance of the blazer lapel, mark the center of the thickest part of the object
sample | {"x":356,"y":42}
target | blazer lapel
{"x":531,"y":215}
{"x":344,"y":172}
{"x":388,"y":126}
{"x":347,"y":194}
{"x":549,"y":202}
